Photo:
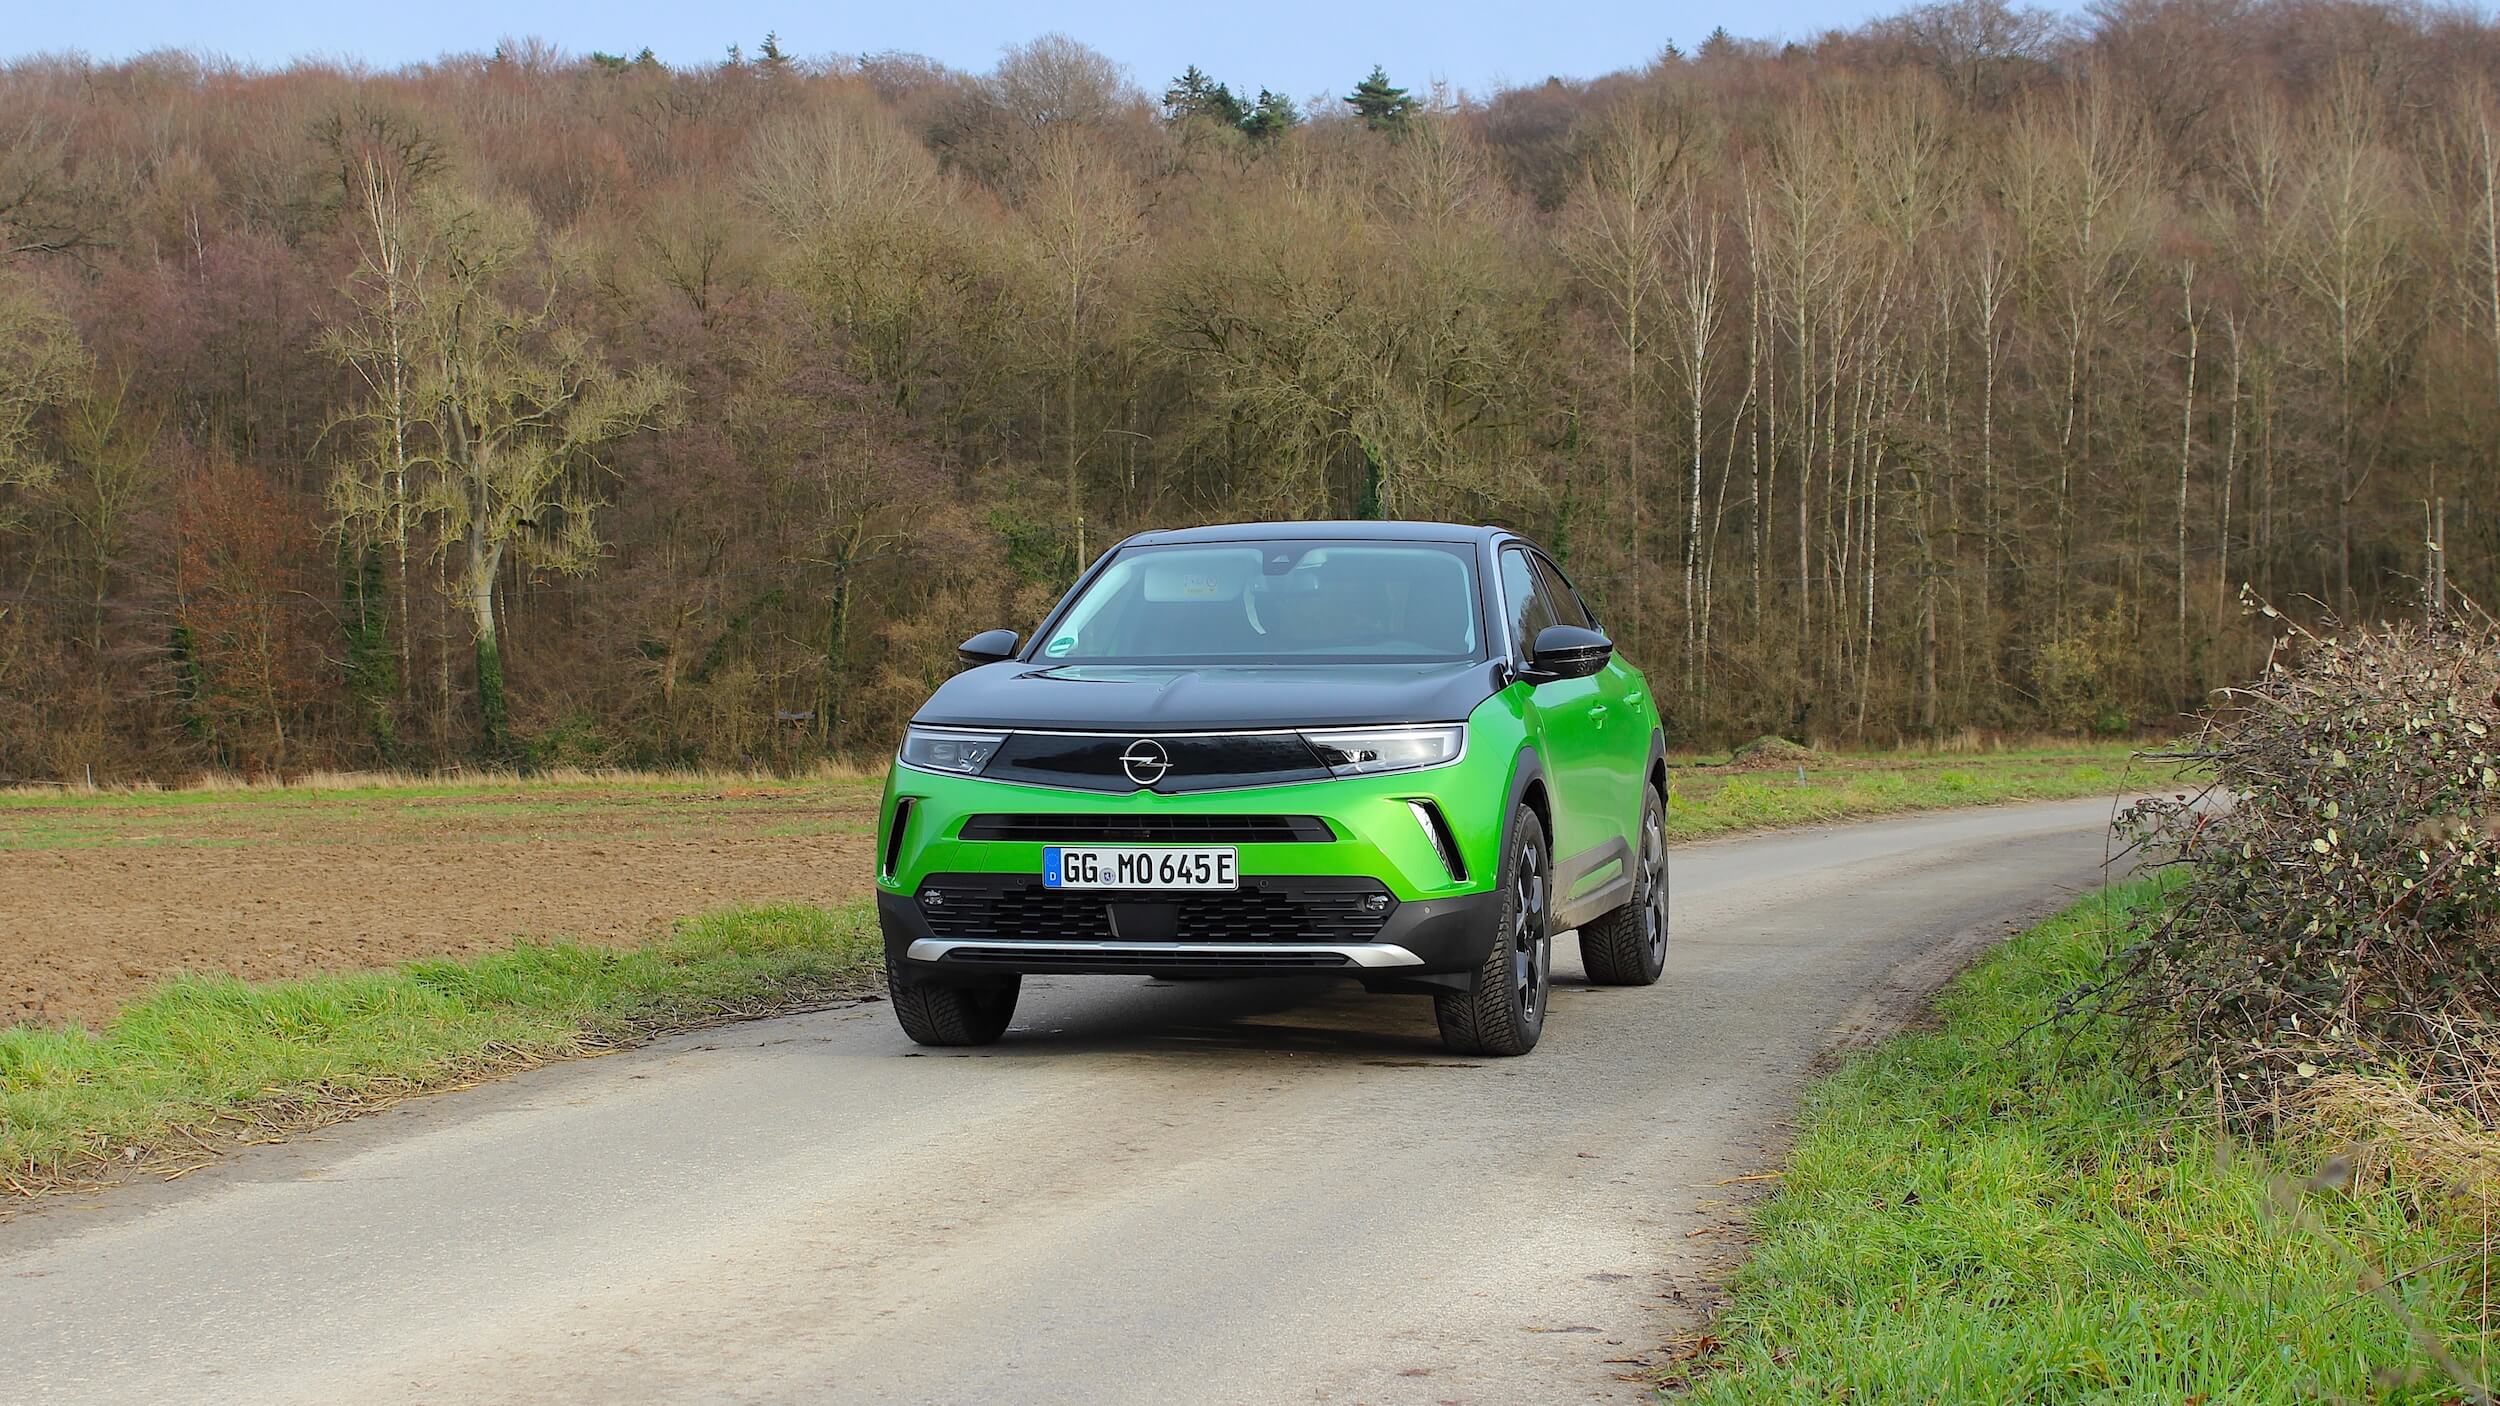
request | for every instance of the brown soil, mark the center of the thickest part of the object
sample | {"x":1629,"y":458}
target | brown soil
{"x":97,"y":905}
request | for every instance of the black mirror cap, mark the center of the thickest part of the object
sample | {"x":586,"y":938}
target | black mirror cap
{"x":1568,"y":652}
{"x":988,"y":647}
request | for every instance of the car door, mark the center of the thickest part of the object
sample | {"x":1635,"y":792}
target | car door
{"x":1566,"y":717}
{"x":1621,"y":712}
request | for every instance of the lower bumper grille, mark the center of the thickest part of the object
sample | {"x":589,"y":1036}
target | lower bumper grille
{"x":1311,"y":910}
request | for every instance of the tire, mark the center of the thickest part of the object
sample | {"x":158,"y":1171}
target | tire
{"x":944,"y":1013}
{"x":1628,"y":947}
{"x":1503,"y":1011}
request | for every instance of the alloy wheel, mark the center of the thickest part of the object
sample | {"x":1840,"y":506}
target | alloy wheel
{"x":1531,"y":947}
{"x":1654,"y":886}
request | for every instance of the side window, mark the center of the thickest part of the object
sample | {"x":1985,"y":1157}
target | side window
{"x":1568,"y":608}
{"x":1530,"y":609}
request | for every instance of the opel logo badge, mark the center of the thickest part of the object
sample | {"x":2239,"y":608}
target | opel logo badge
{"x":1145,"y":761}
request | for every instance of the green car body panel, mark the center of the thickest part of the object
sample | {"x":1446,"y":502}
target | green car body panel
{"x":1419,"y":853}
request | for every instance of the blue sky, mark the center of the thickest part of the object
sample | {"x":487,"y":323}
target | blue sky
{"x":1301,"y":47}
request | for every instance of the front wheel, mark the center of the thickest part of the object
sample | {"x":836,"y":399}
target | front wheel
{"x":1628,"y":947}
{"x":1503,"y":1012}
{"x":945,"y":1013}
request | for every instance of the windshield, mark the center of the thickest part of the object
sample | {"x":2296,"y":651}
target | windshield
{"x":1270,"y":602}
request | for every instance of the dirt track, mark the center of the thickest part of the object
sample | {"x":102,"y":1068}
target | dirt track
{"x":100,"y":902}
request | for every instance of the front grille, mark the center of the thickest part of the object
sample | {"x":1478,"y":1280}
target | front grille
{"x":1205,"y":761}
{"x":1151,"y":829}
{"x":1305,"y":911}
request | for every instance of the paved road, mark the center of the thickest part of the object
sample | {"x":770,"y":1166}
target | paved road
{"x":1223,"y":1192}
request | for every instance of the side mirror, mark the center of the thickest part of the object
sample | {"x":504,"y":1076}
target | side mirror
{"x":1567,"y":652}
{"x":987,"y":647}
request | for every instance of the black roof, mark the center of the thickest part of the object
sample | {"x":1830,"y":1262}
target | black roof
{"x":1335,"y":531}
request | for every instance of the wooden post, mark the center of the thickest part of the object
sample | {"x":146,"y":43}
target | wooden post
{"x":2439,"y":558}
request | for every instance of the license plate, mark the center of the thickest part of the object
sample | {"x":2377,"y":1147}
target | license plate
{"x":1137,"y":867}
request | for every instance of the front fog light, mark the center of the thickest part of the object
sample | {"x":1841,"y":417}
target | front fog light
{"x":962,"y":753}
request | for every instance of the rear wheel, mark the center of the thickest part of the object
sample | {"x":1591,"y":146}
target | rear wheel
{"x":1628,"y":947}
{"x":1504,"y":1011}
{"x":944,"y":1013}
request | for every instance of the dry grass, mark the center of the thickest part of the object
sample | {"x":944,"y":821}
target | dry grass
{"x":2391,"y":1133}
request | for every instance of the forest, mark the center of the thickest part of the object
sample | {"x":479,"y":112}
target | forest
{"x":1975,"y":371}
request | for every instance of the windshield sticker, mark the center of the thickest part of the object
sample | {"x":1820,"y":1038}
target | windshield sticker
{"x":1061,"y":647}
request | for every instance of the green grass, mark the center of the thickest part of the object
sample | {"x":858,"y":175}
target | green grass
{"x":1984,"y":1214}
{"x":205,"y":1060}
{"x":1846,"y":786}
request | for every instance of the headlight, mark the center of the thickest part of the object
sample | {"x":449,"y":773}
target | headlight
{"x":1369,"y":751}
{"x":963,"y":753}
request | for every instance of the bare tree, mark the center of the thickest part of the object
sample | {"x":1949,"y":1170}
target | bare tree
{"x":1616,"y":233}
{"x":2349,"y":263}
{"x":511,"y":412}
{"x":40,"y":360}
{"x":1697,"y":309}
{"x":1055,"y":81}
{"x":1080,"y":218}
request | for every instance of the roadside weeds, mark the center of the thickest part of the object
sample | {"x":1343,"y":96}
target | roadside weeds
{"x":1997,"y":1209}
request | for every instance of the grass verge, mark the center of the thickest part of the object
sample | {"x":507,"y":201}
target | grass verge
{"x":1993,"y":1211}
{"x":207,"y":1062}
{"x":1718,"y":800}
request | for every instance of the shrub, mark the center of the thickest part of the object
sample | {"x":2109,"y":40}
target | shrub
{"x":2343,"y":908}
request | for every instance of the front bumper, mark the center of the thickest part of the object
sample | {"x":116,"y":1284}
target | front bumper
{"x":1416,"y":943}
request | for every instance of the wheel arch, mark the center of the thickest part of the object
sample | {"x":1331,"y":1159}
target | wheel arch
{"x":1528,"y":788}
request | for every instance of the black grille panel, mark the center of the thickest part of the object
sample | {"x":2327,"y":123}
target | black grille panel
{"x":1151,"y":829}
{"x":1211,"y":761}
{"x":1303,"y":912}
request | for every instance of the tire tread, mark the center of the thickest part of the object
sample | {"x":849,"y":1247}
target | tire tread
{"x":1479,"y":1020}
{"x":1613,"y":949}
{"x":938,"y":1013}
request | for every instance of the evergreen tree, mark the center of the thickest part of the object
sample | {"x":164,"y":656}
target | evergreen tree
{"x":1193,"y":94}
{"x":1272,"y":115}
{"x":1379,"y":103}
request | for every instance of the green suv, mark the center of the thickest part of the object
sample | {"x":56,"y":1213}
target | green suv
{"x":1398,"y":752}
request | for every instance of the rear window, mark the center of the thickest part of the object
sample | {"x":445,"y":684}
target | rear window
{"x":1275,"y":602}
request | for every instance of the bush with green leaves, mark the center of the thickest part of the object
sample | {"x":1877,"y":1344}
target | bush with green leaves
{"x":2343,"y":906}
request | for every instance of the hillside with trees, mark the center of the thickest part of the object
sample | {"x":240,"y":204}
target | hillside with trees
{"x":1956,"y":372}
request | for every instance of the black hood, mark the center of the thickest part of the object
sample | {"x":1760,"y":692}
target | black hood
{"x":1126,"y":698}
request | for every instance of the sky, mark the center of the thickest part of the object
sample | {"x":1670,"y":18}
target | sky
{"x":1299,"y":47}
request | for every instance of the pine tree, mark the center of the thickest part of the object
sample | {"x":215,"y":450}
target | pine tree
{"x":1193,"y":94}
{"x":1380,"y":104}
{"x":1271,"y":116}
